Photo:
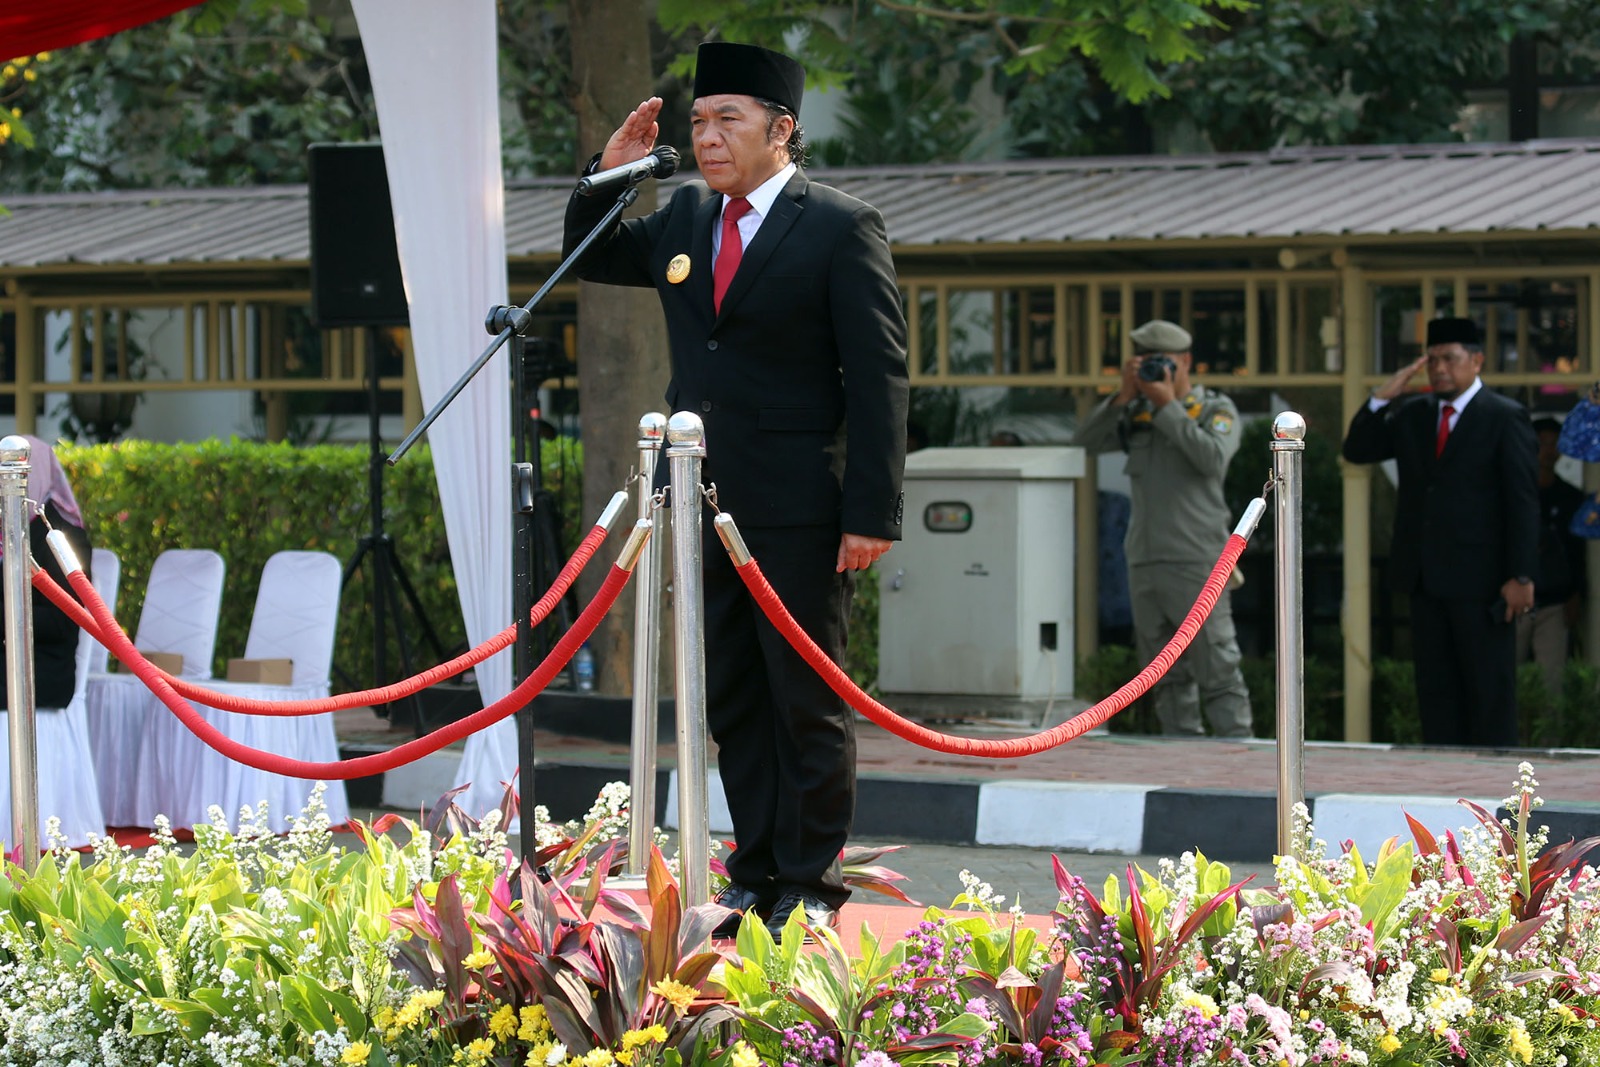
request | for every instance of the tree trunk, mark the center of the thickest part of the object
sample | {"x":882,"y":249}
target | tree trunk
{"x":622,"y":337}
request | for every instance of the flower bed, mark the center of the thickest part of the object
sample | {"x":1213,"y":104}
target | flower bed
{"x":1477,"y":946}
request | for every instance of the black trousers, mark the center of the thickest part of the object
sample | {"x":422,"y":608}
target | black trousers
{"x":1466,"y":672}
{"x":786,"y":745}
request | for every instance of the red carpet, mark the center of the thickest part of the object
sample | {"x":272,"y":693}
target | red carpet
{"x":140,"y":837}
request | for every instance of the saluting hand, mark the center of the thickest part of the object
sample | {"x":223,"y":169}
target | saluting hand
{"x":1397,"y":384}
{"x":635,"y":137}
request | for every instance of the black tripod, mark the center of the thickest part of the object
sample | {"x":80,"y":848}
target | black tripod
{"x":387,"y":579}
{"x":536,"y":523}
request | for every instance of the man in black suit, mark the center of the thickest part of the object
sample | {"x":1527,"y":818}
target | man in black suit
{"x":1466,"y":531}
{"x":788,"y":339}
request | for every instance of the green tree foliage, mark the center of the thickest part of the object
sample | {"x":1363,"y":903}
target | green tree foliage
{"x":1128,"y":42}
{"x":228,"y":93}
{"x":540,"y":137}
{"x":234,"y":91}
{"x":1363,"y":71}
{"x":1089,"y":78}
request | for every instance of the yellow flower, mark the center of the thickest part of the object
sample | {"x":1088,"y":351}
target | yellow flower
{"x":8,"y":71}
{"x":744,"y":1055}
{"x":650,"y":1034}
{"x":1567,"y":1016}
{"x":1388,"y":1043}
{"x":415,"y":1010}
{"x":503,"y":1023}
{"x":43,"y":57}
{"x":597,"y":1057}
{"x":30,"y":75}
{"x":1206,"y":1006}
{"x":477,"y":961}
{"x":476,"y":1052}
{"x":535,"y":1024}
{"x":674,"y":992}
{"x":356,"y":1053}
{"x":1521,"y":1046}
{"x":1439,"y":974}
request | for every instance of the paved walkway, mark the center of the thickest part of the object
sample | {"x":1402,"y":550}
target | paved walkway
{"x":1104,"y":792}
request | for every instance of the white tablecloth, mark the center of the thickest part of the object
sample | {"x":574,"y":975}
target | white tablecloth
{"x":66,"y":790}
{"x":179,"y":776}
{"x":119,"y":708}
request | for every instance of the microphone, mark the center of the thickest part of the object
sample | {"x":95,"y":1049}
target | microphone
{"x":662,"y":163}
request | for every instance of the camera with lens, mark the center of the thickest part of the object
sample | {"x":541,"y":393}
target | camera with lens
{"x":1155,"y":367}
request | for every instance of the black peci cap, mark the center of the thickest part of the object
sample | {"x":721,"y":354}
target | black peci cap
{"x":749,"y":70}
{"x":1453,"y":331}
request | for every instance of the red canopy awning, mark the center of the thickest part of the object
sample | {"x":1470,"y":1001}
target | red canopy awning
{"x":28,"y":27}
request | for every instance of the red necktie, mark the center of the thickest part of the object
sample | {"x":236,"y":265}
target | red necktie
{"x":1444,"y":430}
{"x":731,"y":251}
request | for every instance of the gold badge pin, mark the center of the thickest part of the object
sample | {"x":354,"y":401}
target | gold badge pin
{"x":678,"y":269}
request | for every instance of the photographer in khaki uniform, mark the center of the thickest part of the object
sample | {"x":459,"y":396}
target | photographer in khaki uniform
{"x":1179,"y":438}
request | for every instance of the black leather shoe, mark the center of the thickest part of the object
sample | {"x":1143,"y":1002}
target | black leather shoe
{"x":741,"y":898}
{"x":818,"y":914}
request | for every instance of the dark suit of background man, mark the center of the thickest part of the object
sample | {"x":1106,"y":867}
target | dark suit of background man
{"x":805,"y":350}
{"x":1466,"y":531}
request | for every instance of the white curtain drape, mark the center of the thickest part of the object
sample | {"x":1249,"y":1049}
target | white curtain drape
{"x":434,"y":76}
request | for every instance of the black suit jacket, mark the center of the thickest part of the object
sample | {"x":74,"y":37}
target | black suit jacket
{"x":1468,"y":520}
{"x":807,"y":353}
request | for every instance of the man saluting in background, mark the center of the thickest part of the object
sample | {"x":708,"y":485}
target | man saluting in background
{"x":788,"y":340}
{"x":1466,"y":531}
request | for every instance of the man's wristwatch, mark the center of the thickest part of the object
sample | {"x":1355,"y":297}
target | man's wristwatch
{"x":1523,"y":579}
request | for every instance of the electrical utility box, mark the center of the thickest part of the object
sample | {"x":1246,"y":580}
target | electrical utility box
{"x":976,"y":602}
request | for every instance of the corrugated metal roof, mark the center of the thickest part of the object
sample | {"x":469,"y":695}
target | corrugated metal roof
{"x":1347,"y":193}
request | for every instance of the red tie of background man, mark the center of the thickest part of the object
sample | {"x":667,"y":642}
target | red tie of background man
{"x":1444,"y":429}
{"x":731,"y":251}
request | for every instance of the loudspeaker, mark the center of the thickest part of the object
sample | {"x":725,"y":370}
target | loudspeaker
{"x":355,"y":267}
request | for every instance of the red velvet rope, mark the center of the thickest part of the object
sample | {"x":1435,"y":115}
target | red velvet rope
{"x":1008,"y":748}
{"x":361,"y":766}
{"x":244,"y":705}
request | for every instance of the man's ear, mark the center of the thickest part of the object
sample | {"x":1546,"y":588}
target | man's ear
{"x":783,"y":129}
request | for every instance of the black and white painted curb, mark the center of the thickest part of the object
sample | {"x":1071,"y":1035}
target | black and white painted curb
{"x":1091,"y":817}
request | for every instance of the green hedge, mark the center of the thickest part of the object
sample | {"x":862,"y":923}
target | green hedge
{"x":247,"y":500}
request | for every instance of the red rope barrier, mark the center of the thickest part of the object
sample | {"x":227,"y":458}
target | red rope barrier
{"x":361,"y":766}
{"x":244,"y":705}
{"x":1008,"y":748}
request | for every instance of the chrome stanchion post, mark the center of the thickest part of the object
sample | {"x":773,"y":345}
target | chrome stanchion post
{"x":1288,"y":448}
{"x":685,"y":449}
{"x":14,"y":463}
{"x":646,"y":650}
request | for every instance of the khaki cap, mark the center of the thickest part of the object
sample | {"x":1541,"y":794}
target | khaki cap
{"x":1159,"y":335}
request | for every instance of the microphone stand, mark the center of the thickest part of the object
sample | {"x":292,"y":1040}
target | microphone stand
{"x":509,"y":323}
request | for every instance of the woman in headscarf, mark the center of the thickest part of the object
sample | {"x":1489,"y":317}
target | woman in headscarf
{"x":67,"y":788}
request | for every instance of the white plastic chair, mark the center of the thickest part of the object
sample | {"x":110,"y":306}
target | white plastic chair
{"x":182,"y":602}
{"x":295,"y":617}
{"x":296,"y":613}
